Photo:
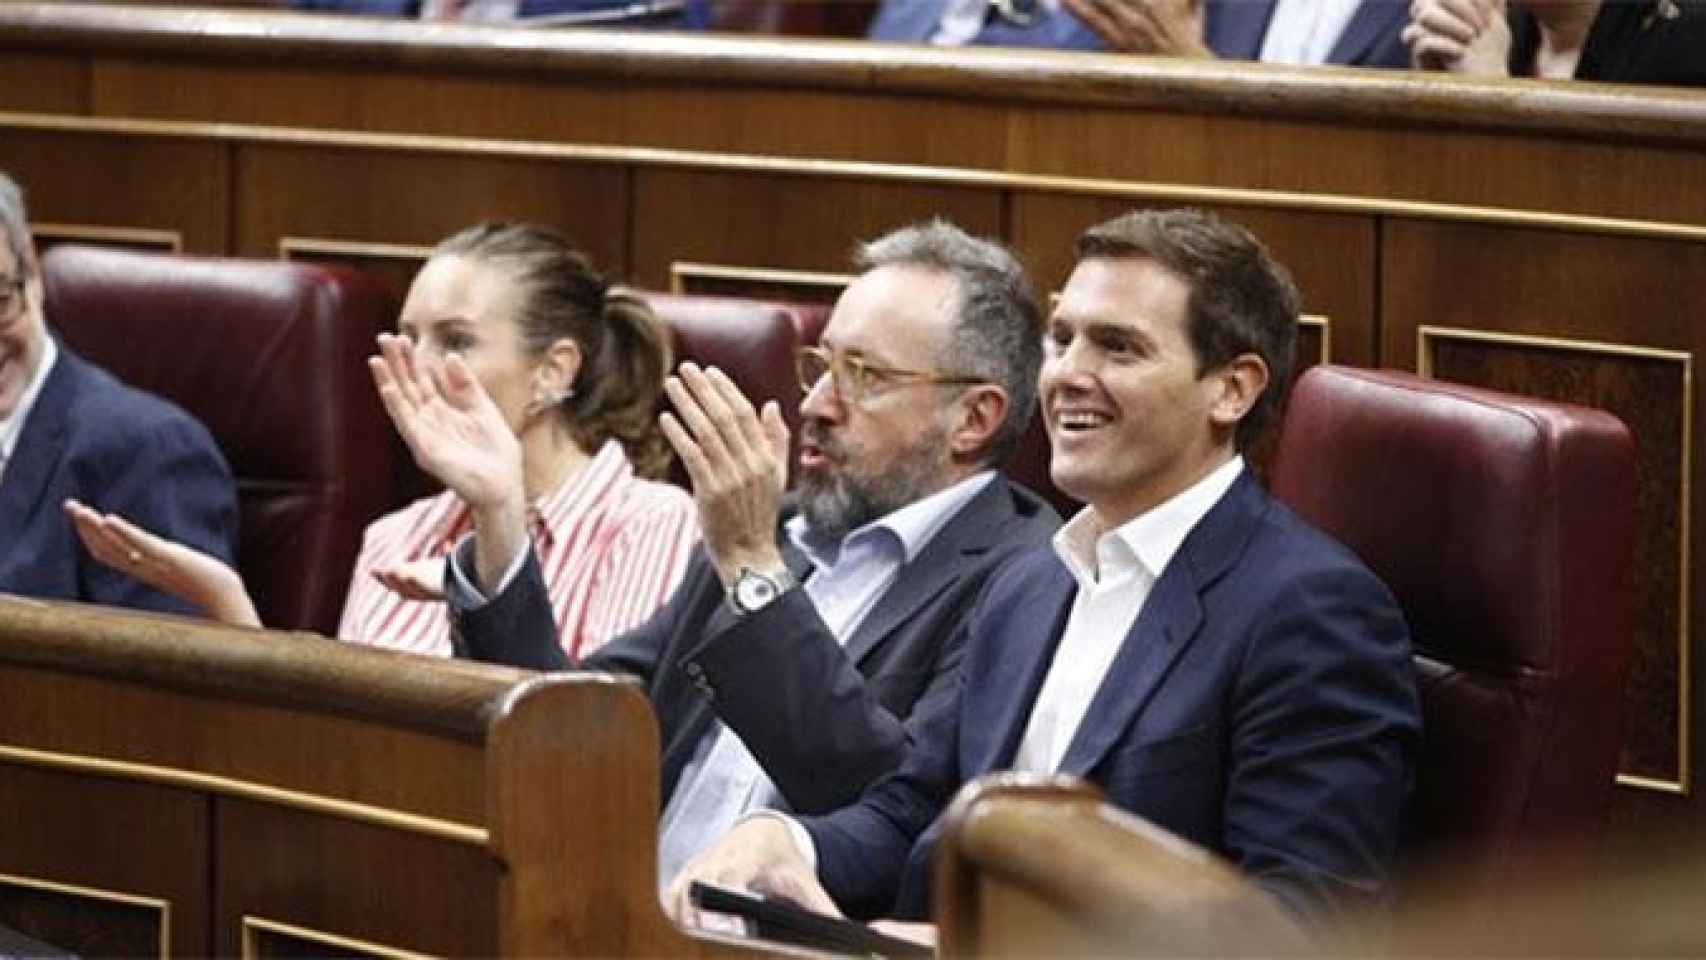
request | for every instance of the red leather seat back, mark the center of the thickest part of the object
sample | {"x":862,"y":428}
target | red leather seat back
{"x":752,"y":341}
{"x":270,"y":356}
{"x":1505,"y":526}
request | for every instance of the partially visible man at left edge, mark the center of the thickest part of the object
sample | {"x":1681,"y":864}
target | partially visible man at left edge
{"x":69,"y":430}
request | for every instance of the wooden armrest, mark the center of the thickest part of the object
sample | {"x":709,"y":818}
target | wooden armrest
{"x":1042,"y":866}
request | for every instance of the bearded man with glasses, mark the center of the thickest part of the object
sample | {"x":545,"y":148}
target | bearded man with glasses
{"x":68,"y":430}
{"x":785,"y":664}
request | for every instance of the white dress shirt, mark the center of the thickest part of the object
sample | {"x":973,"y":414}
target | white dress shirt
{"x":12,"y":427}
{"x":723,"y":781}
{"x":1305,"y":31}
{"x":962,"y":20}
{"x":1115,"y":570}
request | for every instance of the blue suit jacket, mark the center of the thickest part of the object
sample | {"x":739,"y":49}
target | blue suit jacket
{"x":1233,"y":29}
{"x":117,"y":449}
{"x":1263,"y":705}
{"x":822,"y":718}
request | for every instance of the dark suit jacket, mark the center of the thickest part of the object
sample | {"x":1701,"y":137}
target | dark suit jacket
{"x":1631,"y":41}
{"x":119,"y":450}
{"x":1263,"y":705}
{"x":1233,"y":29}
{"x":823,"y":719}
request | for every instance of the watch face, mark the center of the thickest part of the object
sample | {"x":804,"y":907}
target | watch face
{"x":753,"y":590}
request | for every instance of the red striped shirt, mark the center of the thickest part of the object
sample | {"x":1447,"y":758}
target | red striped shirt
{"x":611,"y":547}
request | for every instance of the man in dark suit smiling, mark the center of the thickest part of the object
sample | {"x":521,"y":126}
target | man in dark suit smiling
{"x":70,"y":431}
{"x":783,"y":666}
{"x":1188,"y":644}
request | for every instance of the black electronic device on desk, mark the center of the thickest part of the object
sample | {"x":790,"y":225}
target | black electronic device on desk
{"x":785,"y":922}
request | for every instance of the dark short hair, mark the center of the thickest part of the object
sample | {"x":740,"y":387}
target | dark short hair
{"x":998,"y":334}
{"x":624,"y":347}
{"x":1241,"y":299}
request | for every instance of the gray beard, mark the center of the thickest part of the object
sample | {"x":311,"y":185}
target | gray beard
{"x":836,"y":505}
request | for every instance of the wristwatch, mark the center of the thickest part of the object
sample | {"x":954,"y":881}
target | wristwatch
{"x":753,"y":591}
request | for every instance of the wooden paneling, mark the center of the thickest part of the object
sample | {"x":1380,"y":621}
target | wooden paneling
{"x":269,"y":747}
{"x":119,"y":181}
{"x":1331,"y":256}
{"x":122,"y":735}
{"x":289,"y":866}
{"x":1382,"y":161}
{"x":324,"y":193}
{"x":792,"y":286}
{"x":791,"y":222}
{"x":890,"y":128}
{"x":1609,"y":328}
{"x":353,"y":97}
{"x":67,"y":829}
{"x":58,"y":83}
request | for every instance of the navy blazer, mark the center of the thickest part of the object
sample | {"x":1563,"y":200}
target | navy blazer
{"x":1233,"y":29}
{"x":1263,"y":705}
{"x":120,"y":450}
{"x":824,"y":719}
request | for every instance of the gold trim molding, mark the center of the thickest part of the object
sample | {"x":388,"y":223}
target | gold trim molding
{"x":253,"y":926}
{"x":681,"y":271}
{"x":257,"y":135}
{"x":291,"y":247}
{"x":1682,"y":785}
{"x":171,"y":241}
{"x":247,"y":790}
{"x":1323,"y":323}
{"x":164,"y":907}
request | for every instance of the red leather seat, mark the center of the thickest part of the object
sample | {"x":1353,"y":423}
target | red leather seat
{"x":1506,"y":528}
{"x":752,"y":341}
{"x":270,"y":356}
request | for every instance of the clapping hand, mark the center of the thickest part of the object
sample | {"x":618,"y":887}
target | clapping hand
{"x":1469,"y":37}
{"x":458,"y":435}
{"x":737,"y":460}
{"x":1171,"y":28}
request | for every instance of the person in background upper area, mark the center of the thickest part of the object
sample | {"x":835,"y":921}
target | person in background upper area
{"x":1346,"y":32}
{"x":1616,"y":41}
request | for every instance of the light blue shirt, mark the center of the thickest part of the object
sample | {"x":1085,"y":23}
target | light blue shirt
{"x":723,"y":781}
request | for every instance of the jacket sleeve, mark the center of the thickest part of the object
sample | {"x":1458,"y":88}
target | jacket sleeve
{"x":1324,"y":726}
{"x":172,"y":481}
{"x":515,"y":627}
{"x":863,"y":849}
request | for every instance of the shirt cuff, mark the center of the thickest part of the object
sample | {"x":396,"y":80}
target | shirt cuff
{"x":796,"y":830}
{"x":459,"y":588}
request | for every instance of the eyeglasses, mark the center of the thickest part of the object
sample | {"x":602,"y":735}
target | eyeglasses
{"x":11,"y":298}
{"x":855,"y":378}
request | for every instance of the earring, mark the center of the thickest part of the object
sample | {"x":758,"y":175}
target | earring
{"x":544,"y":400}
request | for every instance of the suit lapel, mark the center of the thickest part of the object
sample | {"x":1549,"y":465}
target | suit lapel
{"x":996,"y":717}
{"x":1171,"y":619}
{"x":1163,"y":630}
{"x":960,"y":542}
{"x":1373,"y":18}
{"x":39,"y":449}
{"x":1235,"y":28}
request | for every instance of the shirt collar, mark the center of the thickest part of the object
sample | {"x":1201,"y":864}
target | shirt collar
{"x":13,"y":427}
{"x":1147,"y":542}
{"x":912,"y":526}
